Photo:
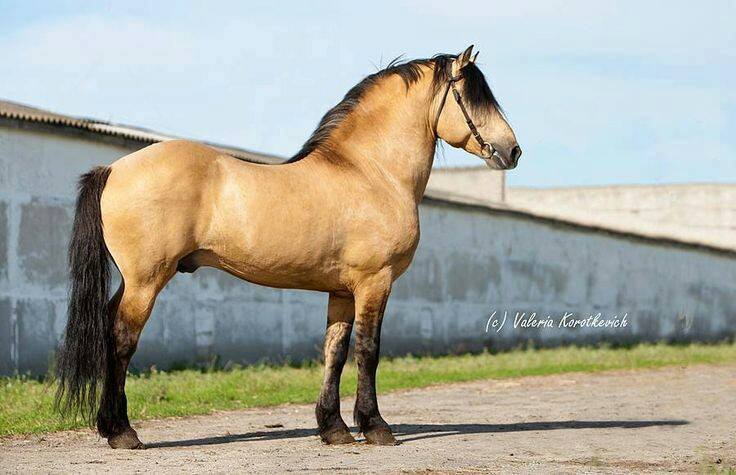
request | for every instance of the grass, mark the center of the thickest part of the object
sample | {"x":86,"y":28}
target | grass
{"x":26,"y":404}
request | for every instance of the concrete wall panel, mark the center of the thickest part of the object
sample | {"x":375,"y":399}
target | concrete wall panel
{"x":3,"y":241}
{"x":7,"y":337}
{"x":42,"y":243}
{"x":36,"y":334}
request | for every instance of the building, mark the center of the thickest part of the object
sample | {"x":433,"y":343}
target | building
{"x":696,"y":213}
{"x":479,"y":259}
{"x":469,"y":183}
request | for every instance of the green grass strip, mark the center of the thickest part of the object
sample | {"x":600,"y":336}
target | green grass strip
{"x":26,"y":404}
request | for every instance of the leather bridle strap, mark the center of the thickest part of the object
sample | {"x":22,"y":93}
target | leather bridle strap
{"x":473,"y":129}
{"x":487,"y":148}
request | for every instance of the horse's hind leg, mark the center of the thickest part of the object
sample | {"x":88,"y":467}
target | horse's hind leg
{"x":340,"y":316}
{"x":132,"y":306}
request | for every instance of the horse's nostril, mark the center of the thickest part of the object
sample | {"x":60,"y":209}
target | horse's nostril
{"x":515,"y":153}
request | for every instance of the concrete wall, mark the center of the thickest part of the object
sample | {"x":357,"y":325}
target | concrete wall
{"x":704,"y":213}
{"x":471,"y":261}
{"x":480,"y":183}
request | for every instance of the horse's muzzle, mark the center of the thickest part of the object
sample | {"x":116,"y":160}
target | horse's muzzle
{"x":492,"y":155}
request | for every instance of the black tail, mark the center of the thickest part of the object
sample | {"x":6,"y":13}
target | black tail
{"x":87,"y":350}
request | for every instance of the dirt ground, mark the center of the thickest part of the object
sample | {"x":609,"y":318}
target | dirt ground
{"x":674,"y":419}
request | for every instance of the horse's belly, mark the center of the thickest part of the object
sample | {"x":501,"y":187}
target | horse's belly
{"x":265,"y":253}
{"x":285,"y":275}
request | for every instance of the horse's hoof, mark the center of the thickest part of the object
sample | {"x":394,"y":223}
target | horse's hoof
{"x":380,"y":435}
{"x":126,"y":440}
{"x":337,"y":436}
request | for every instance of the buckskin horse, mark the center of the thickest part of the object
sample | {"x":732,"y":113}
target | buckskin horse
{"x":340,"y":217}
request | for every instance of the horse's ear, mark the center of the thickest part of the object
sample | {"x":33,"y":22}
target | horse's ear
{"x":462,"y":60}
{"x":475,"y":56}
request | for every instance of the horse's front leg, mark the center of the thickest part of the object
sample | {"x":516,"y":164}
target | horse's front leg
{"x":340,"y":317}
{"x":370,"y":303}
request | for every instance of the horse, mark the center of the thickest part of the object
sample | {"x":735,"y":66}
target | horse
{"x":340,"y":217}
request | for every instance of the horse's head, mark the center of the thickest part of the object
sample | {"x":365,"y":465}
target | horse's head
{"x":469,"y":116}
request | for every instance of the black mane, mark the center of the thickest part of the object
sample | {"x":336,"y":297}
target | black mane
{"x":476,"y":93}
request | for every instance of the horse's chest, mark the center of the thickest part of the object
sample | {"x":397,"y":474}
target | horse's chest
{"x":387,"y":242}
{"x":405,"y":240}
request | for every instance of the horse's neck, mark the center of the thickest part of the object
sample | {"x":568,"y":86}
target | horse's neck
{"x":388,"y":137}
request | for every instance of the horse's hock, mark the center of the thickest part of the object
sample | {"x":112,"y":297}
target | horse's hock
{"x":474,"y":258}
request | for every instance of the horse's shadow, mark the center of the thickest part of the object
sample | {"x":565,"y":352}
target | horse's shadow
{"x":413,"y":432}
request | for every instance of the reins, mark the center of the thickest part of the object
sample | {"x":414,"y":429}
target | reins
{"x":487,"y":148}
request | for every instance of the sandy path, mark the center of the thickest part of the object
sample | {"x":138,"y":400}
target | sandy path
{"x":675,"y":419}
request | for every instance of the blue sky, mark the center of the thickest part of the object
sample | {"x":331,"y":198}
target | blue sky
{"x":597,"y":92}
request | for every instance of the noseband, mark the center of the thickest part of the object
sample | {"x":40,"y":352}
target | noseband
{"x":487,"y":148}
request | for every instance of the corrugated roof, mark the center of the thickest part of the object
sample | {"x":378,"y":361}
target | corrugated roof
{"x":22,"y":112}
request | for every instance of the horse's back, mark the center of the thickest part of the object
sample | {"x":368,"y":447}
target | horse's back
{"x":180,"y":158}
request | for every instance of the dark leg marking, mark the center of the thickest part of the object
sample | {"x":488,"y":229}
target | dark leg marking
{"x":367,"y":350}
{"x":332,"y":429}
{"x":112,"y":417}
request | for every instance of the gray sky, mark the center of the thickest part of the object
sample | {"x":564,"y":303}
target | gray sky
{"x":597,"y":92}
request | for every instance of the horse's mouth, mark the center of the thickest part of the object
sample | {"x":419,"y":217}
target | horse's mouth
{"x":498,"y":162}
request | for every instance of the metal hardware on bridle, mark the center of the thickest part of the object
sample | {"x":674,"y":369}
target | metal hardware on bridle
{"x":487,"y":148}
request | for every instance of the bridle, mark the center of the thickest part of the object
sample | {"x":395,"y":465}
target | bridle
{"x":487,"y":149}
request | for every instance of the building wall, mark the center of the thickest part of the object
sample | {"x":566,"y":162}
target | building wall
{"x":480,"y":183}
{"x":703,"y":213}
{"x":470,"y":262}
